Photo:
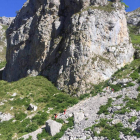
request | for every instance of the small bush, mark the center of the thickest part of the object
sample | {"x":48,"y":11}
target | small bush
{"x":130,"y":84}
{"x":20,"y":116}
{"x":133,"y":119}
{"x":120,"y":96}
{"x":31,"y":128}
{"x":138,"y":89}
{"x":116,"y":87}
{"x":103,"y":108}
{"x":40,"y":119}
{"x":83,"y":96}
{"x":134,"y":75}
{"x":42,"y":135}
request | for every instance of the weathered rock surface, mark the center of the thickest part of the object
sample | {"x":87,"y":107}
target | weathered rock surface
{"x":91,"y":106}
{"x":6,"y":20}
{"x":32,"y":107}
{"x":5,"y":116}
{"x":134,"y":17}
{"x":53,"y":127}
{"x":4,"y":23}
{"x":73,"y":43}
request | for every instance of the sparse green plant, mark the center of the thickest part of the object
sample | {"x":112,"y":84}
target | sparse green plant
{"x":103,"y":108}
{"x":133,"y":119}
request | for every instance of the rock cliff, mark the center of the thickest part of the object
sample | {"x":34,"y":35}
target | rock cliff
{"x":133,"y":20}
{"x":134,"y":17}
{"x":4,"y":23}
{"x":74,"y":43}
{"x":6,"y":20}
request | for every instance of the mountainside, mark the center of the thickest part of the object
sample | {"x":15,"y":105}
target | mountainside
{"x":134,"y":17}
{"x":133,"y":20}
{"x":4,"y":23}
{"x":32,"y":108}
{"x":75,"y":44}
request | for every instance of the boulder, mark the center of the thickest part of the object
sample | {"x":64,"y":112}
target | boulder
{"x":5,"y":117}
{"x":32,"y":107}
{"x":116,"y":121}
{"x":78,"y":116}
{"x":53,"y":127}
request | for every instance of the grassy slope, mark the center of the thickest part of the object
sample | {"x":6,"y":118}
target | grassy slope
{"x":36,"y":90}
{"x":135,"y":38}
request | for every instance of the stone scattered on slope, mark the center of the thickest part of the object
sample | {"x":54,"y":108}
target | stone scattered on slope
{"x":91,"y":106}
{"x":5,"y":117}
{"x":32,"y":107}
{"x":6,"y":20}
{"x":53,"y":127}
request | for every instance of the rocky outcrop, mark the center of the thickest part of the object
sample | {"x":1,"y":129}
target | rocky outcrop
{"x":6,"y":20}
{"x":5,"y":117}
{"x":134,"y":17}
{"x":75,"y":44}
{"x":4,"y":23}
{"x":53,"y":127}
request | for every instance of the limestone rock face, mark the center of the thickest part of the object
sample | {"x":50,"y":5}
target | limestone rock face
{"x":6,"y":20}
{"x":73,"y":43}
{"x":134,"y":17}
{"x":53,"y":127}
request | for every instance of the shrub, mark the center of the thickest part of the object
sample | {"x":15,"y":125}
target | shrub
{"x":20,"y":116}
{"x":116,"y":87}
{"x":83,"y":96}
{"x":40,"y":118}
{"x":120,"y":96}
{"x":138,"y":89}
{"x":130,"y":84}
{"x":42,"y":135}
{"x":31,"y":128}
{"x":103,"y":108}
{"x":134,"y":118}
{"x":111,"y":132}
{"x":134,"y":75}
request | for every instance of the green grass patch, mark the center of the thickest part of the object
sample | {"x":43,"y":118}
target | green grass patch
{"x":2,"y":64}
{"x":135,"y":75}
{"x":127,"y":70}
{"x":111,"y":132}
{"x":135,"y":38}
{"x":133,"y":119}
{"x":103,"y":108}
{"x":37,"y":90}
{"x":47,"y":136}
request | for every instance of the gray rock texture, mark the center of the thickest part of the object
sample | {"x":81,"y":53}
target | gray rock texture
{"x":32,"y":107}
{"x":53,"y":127}
{"x":4,"y":23}
{"x":5,"y":117}
{"x":73,"y":43}
{"x":6,"y":20}
{"x":134,"y":17}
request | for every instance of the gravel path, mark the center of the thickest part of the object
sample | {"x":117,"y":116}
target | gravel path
{"x":89,"y":108}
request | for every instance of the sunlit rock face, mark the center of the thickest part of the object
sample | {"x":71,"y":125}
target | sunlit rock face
{"x":74,"y":43}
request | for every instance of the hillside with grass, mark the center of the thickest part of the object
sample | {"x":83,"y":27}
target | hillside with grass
{"x":108,"y":110}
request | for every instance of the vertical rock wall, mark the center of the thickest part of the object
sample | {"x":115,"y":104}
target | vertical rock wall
{"x":74,"y":43}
